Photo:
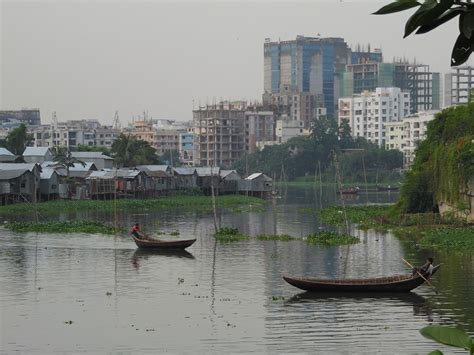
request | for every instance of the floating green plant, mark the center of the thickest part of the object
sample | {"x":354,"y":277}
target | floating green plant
{"x":228,"y":234}
{"x":328,"y":238}
{"x":280,"y":237}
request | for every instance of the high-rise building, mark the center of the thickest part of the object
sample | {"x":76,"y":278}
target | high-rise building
{"x":458,"y":85}
{"x":423,"y":85}
{"x":259,"y":127}
{"x":306,"y":65}
{"x":368,"y":112}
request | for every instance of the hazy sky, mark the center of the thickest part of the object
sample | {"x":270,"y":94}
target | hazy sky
{"x":86,"y":59}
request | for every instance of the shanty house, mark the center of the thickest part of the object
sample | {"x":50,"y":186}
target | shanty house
{"x":19,"y":182}
{"x":100,"y":160}
{"x":49,"y":184}
{"x":185,"y":178}
{"x":257,"y":184}
{"x":229,"y":181}
{"x":208,"y":177}
{"x":37,"y":154}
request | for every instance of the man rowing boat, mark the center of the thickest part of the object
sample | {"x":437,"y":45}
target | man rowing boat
{"x":135,"y":231}
{"x":426,"y":269}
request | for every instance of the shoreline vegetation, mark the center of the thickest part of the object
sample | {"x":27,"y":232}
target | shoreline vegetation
{"x":427,"y":229}
{"x":188,"y":202}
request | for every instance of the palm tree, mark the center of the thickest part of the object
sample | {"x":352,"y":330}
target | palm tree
{"x":63,"y":158}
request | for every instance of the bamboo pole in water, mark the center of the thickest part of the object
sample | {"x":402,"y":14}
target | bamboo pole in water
{"x":339,"y":183}
{"x":213,"y":200}
{"x":365,"y":178}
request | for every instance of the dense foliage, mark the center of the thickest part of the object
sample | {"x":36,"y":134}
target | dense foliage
{"x":433,"y":13}
{"x":17,"y":140}
{"x":129,"y":151}
{"x":300,"y":156}
{"x":93,"y":227}
{"x":93,"y":148}
{"x":444,"y":162}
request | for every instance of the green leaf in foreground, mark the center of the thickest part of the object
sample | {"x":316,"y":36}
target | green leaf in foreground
{"x":448,"y":336}
{"x":435,"y":352}
{"x":396,"y":6}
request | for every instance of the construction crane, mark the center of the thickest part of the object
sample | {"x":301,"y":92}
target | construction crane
{"x":116,"y":124}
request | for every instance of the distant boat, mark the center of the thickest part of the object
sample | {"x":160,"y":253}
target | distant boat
{"x":398,"y":283}
{"x":388,"y":188}
{"x":349,"y":190}
{"x":163,"y":244}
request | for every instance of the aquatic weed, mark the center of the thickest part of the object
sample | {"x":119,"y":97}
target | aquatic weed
{"x":92,"y":227}
{"x":329,"y":238}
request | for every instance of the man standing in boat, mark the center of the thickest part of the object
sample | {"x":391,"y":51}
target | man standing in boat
{"x":135,"y":231}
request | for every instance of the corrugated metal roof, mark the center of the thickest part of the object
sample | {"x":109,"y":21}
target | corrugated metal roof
{"x":206,"y":171}
{"x":101,"y":174}
{"x":79,"y":167}
{"x":256,"y":176}
{"x":6,"y":152}
{"x":18,"y":166}
{"x":47,"y":173}
{"x":12,"y":174}
{"x":184,"y":171}
{"x":90,"y":155}
{"x":35,"y":151}
{"x":224,"y":173}
{"x":153,"y":167}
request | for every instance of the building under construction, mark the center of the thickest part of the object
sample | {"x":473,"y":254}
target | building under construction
{"x":458,"y":85}
{"x":219,"y":134}
{"x":417,"y":79}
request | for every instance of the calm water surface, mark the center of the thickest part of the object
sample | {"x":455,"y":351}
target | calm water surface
{"x":220,"y":297}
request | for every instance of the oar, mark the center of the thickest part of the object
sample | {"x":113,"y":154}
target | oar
{"x":424,"y":278}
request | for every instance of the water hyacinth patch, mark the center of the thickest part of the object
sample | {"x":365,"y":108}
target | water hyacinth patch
{"x":459,"y":239}
{"x":280,"y":237}
{"x":229,"y":234}
{"x":365,"y":217}
{"x":328,"y":238}
{"x":92,"y":227}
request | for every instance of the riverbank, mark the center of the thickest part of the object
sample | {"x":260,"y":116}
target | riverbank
{"x":427,"y":229}
{"x":188,"y":202}
{"x":312,"y":184}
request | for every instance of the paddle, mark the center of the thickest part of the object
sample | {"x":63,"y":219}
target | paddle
{"x":424,"y":278}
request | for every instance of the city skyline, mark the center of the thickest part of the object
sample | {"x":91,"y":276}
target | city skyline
{"x":142,"y":60}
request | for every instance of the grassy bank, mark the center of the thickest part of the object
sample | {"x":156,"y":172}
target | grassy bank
{"x":427,"y":228}
{"x":200,"y":202}
{"x":91,"y":227}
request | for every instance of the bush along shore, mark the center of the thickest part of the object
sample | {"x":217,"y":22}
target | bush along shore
{"x":90,"y":227}
{"x":323,"y":238}
{"x":200,"y":202}
{"x":428,"y":229}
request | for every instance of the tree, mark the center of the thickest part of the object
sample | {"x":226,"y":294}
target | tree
{"x":170,"y":157}
{"x":130,"y":151}
{"x":433,"y":13}
{"x":92,"y":148}
{"x":63,"y":157}
{"x":17,"y":140}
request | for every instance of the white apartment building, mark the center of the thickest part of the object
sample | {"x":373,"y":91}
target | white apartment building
{"x":394,"y":135}
{"x":415,"y":127}
{"x":288,"y":128}
{"x":368,"y":112}
{"x":73,"y":133}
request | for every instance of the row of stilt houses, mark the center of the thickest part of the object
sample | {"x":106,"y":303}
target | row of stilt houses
{"x":47,"y":180}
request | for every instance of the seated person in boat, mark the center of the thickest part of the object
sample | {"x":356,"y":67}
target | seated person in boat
{"x":426,"y":269}
{"x":135,"y":231}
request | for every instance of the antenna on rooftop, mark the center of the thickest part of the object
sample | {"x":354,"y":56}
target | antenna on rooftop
{"x":54,"y":119}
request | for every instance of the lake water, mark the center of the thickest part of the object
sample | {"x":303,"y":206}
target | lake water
{"x":97,"y":293}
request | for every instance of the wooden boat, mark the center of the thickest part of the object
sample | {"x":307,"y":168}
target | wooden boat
{"x":349,"y":190}
{"x":163,"y":244}
{"x":398,"y":283}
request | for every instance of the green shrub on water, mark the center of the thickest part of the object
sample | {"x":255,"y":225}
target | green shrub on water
{"x":92,"y":227}
{"x":459,"y":239}
{"x":280,"y":237}
{"x":329,"y":238}
{"x":229,"y":234}
{"x":365,"y":217}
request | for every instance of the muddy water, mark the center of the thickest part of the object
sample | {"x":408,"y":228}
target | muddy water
{"x":96,"y":293}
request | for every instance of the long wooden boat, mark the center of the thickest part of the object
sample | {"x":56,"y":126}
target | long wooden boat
{"x":163,"y":244}
{"x":349,"y":190}
{"x":397,"y":283}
